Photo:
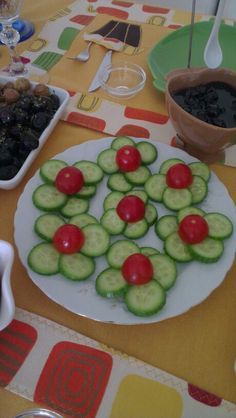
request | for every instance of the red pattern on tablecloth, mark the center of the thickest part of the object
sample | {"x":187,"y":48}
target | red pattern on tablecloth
{"x":16,"y":341}
{"x":74,"y":379}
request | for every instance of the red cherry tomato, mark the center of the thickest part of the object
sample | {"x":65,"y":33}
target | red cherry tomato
{"x":69,"y":180}
{"x":137,"y":269}
{"x":179,"y":176}
{"x":128,"y":158}
{"x":68,"y":239}
{"x":193,"y":229}
{"x":131,"y":209}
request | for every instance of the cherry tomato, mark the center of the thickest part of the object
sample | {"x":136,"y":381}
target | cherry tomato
{"x":137,"y":269}
{"x":193,"y":229}
{"x":179,"y":176}
{"x":69,"y":180}
{"x":68,"y":239}
{"x":128,"y":158}
{"x":131,"y":209}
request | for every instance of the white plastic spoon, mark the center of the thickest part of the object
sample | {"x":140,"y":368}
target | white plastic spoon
{"x":213,"y":53}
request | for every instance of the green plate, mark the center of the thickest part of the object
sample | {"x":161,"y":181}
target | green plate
{"x":172,"y":51}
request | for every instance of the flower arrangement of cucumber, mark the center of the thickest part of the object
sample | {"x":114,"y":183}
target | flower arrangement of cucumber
{"x":141,"y":276}
{"x":178,"y":185}
{"x":70,"y":245}
{"x":72,"y":238}
{"x":194,"y":234}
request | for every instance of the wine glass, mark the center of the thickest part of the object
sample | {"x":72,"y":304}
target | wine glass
{"x":9,"y":13}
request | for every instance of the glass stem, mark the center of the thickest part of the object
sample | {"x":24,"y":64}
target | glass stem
{"x":10,"y":37}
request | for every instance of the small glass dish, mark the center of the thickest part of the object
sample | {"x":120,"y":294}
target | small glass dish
{"x":38,"y":412}
{"x":123,"y":79}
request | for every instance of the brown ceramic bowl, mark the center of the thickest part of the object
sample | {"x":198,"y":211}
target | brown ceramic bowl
{"x":200,"y":139}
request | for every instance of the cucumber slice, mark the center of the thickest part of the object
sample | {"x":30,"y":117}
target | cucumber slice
{"x":92,"y":173}
{"x":86,"y":192}
{"x":117,"y":182}
{"x":165,"y":226}
{"x":140,"y":193}
{"x":44,"y":259}
{"x":121,"y":141}
{"x":168,"y":163}
{"x":76,"y":266}
{"x":74,"y":206}
{"x":111,"y":221}
{"x":97,"y":240}
{"x":220,"y":226}
{"x":136,"y":230}
{"x":47,"y":197}
{"x":176,"y":199}
{"x":189,"y":210}
{"x":200,"y":169}
{"x":83,"y":219}
{"x":146,"y":299}
{"x":47,"y":224}
{"x":150,"y":214}
{"x":119,"y":251}
{"x":107,"y":161}
{"x":110,"y":283}
{"x":164,"y":270}
{"x":155,"y":186}
{"x":148,"y":152}
{"x":112,"y":199}
{"x":139,"y":176}
{"x":207,"y":251}
{"x":50,"y":169}
{"x":149,"y":251}
{"x":199,"y":189}
{"x":177,"y":249}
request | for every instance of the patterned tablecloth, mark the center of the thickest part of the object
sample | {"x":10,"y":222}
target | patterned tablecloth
{"x":79,"y":377}
{"x":61,"y":37}
{"x":53,"y":365}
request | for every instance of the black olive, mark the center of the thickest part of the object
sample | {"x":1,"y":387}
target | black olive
{"x":3,"y":134}
{"x":8,"y":172}
{"x":55,"y":101}
{"x":6,"y":116}
{"x":24,"y":102}
{"x":234,"y":105}
{"x":16,"y":131}
{"x":5,"y":156}
{"x":39,"y":121}
{"x":30,"y":140}
{"x":219,"y":122}
{"x":23,"y":152}
{"x":40,"y":103}
{"x":21,"y":116}
{"x":11,"y":145}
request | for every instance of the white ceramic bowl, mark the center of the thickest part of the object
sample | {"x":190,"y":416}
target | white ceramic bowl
{"x":7,"y":305}
{"x":64,"y":97}
{"x":123,"y":79}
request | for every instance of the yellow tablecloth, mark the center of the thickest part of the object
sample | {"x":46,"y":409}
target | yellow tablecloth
{"x":199,"y":346}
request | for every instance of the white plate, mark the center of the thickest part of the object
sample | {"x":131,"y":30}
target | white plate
{"x":195,"y":280}
{"x":64,"y":97}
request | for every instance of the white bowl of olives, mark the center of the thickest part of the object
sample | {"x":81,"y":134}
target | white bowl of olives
{"x":29,"y":112}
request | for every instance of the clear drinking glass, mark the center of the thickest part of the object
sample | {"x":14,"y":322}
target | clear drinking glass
{"x":9,"y":13}
{"x":38,"y":413}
